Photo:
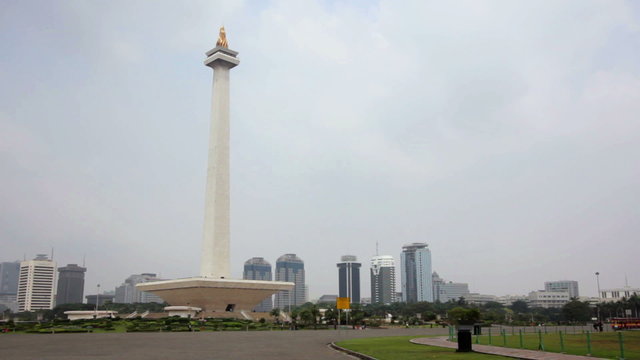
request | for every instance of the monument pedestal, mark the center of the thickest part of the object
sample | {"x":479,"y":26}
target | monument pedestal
{"x":215,"y":295}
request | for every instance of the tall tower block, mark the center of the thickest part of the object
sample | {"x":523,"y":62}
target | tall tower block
{"x":215,"y":243}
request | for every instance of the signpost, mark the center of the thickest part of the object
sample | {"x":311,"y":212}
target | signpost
{"x":343,"y":303}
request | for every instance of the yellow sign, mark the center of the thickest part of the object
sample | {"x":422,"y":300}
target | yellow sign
{"x":343,"y":303}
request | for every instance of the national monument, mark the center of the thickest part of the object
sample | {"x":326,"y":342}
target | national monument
{"x":213,"y":290}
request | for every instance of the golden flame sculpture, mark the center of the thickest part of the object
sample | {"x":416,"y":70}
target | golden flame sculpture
{"x":222,"y":39}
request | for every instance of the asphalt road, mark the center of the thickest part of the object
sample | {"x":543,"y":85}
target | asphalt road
{"x":234,"y":345}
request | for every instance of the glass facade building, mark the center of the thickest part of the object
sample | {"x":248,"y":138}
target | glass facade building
{"x":258,"y":268}
{"x":289,"y":267}
{"x":70,"y":284}
{"x":415,"y":263}
{"x":349,"y":278}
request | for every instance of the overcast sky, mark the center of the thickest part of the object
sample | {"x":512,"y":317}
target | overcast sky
{"x":505,"y":134}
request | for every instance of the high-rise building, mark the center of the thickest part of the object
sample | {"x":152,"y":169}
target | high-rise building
{"x":9,"y":274}
{"x":258,"y":268}
{"x":415,"y":263}
{"x":289,"y":267}
{"x":349,"y":278}
{"x":100,"y":298}
{"x":70,"y":284}
{"x":127,"y":293}
{"x":446,"y":291}
{"x":36,"y":284}
{"x":383,"y":280}
{"x":570,"y":286}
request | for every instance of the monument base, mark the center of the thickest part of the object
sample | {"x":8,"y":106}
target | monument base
{"x":215,"y":295}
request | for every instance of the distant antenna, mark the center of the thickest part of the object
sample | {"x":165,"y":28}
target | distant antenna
{"x":52,"y":253}
{"x":84,"y":258}
{"x":626,"y":281}
{"x":377,"y":254}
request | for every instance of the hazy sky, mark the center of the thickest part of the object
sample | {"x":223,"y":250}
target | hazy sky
{"x":505,"y":134}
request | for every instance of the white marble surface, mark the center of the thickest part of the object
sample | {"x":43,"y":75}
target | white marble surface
{"x":215,"y":243}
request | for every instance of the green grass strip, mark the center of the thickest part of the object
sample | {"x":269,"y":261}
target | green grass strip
{"x":399,"y":348}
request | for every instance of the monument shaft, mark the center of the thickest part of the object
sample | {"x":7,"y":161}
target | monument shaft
{"x":215,"y":243}
{"x":213,"y":291}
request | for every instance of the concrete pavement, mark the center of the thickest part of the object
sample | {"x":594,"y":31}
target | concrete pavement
{"x":235,"y":345}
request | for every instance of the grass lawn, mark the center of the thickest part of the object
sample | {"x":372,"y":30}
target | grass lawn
{"x":604,"y":345}
{"x":399,"y":348}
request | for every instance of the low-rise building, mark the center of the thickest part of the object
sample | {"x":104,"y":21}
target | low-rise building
{"x":548,"y":299}
{"x":617,"y":294}
{"x":444,"y":291}
{"x":480,"y":299}
{"x":507,"y":300}
{"x":90,"y":314}
{"x":327,"y":299}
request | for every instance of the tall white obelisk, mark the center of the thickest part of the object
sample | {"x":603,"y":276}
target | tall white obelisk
{"x":213,"y":291}
{"x":215,"y":243}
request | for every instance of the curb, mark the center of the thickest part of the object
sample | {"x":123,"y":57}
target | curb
{"x":350,"y":352}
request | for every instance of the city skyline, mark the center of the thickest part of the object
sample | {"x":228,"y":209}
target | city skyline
{"x":490,"y":151}
{"x":257,"y":268}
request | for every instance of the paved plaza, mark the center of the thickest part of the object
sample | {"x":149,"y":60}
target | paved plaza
{"x":235,"y":345}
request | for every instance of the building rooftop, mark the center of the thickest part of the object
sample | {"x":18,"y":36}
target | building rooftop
{"x":257,"y":261}
{"x":290,"y":258}
{"x":414,"y":246}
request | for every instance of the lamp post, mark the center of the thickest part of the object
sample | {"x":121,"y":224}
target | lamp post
{"x":599,"y":294}
{"x":97,"y":300}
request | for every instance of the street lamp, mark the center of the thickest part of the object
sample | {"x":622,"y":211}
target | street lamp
{"x":599,"y":295}
{"x":97,"y":300}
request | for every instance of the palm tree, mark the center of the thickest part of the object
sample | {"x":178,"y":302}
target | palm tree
{"x":275,"y":312}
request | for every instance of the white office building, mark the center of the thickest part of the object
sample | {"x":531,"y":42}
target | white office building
{"x":548,"y":299}
{"x":444,"y":291}
{"x":383,"y":280}
{"x":415,"y":263}
{"x":508,"y":300}
{"x":480,"y":299}
{"x":570,"y":286}
{"x":36,"y":284}
{"x":612,"y":295}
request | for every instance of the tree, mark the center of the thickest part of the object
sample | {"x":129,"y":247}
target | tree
{"x":331,"y":315}
{"x":275,"y":312}
{"x":576,"y":310}
{"x":520,"y":307}
{"x":462,"y":316}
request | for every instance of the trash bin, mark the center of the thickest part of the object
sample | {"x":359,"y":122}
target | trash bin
{"x":464,"y":340}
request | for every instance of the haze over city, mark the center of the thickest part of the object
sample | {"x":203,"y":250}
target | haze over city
{"x":505,"y":135}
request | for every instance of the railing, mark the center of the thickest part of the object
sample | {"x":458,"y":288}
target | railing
{"x":577,"y":340}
